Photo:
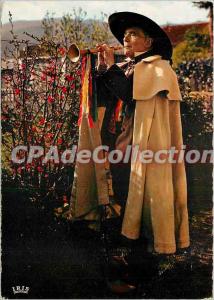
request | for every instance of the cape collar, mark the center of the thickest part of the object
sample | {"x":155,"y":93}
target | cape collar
{"x":151,"y":58}
{"x":147,"y":56}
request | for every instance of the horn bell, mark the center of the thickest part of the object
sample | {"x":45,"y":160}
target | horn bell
{"x":73,"y":53}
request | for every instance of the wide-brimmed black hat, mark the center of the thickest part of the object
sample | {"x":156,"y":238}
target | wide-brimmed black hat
{"x":120,"y":21}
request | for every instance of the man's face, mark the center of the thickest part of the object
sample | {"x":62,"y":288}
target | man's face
{"x":135,"y":41}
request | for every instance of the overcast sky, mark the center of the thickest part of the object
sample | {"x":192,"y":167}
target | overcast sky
{"x":161,"y":11}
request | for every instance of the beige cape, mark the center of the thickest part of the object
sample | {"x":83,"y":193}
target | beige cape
{"x":157,"y":199}
{"x":90,"y":186}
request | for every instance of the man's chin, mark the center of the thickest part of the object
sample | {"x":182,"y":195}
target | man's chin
{"x":128,"y":52}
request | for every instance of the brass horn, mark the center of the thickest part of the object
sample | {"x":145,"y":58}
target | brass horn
{"x":74,"y":52}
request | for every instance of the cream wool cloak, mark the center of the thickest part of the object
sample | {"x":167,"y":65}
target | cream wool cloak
{"x":90,"y":186}
{"x":157,"y":199}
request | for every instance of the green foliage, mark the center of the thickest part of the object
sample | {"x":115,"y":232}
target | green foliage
{"x":196,"y":40}
{"x":196,"y":121}
{"x":49,"y":26}
{"x":69,"y":29}
{"x":203,"y":4}
{"x":100,"y":31}
{"x":196,"y":44}
{"x":76,"y":28}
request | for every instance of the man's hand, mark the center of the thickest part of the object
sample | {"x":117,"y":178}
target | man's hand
{"x":105,"y":56}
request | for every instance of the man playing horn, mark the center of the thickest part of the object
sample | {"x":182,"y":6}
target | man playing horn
{"x":153,"y":195}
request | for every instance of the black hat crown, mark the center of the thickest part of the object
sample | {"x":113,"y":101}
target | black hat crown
{"x":120,"y":21}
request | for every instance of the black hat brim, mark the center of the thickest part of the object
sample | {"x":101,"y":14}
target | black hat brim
{"x":119,"y":22}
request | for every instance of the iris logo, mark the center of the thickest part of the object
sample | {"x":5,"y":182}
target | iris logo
{"x":20,"y":289}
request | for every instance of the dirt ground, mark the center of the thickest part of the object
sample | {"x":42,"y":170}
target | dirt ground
{"x":57,"y":260}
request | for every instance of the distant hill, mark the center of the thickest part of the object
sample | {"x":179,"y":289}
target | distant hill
{"x":175,"y":32}
{"x":32,"y":27}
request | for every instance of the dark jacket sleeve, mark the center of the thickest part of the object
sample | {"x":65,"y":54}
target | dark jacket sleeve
{"x":113,"y":84}
{"x":104,"y":95}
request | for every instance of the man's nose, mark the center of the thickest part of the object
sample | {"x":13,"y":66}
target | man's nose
{"x":126,"y":38}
